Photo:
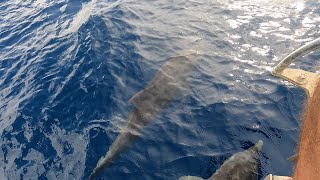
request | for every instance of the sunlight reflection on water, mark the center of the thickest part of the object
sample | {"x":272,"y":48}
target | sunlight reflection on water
{"x":68,"y":69}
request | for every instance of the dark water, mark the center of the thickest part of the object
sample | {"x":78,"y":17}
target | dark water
{"x":69,"y":67}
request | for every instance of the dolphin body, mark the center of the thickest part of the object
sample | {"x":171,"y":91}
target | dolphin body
{"x":240,"y":166}
{"x":170,"y":79}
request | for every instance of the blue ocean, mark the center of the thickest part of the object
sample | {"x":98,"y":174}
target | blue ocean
{"x":68,"y":69}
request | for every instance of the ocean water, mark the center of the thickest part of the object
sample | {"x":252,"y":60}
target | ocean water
{"x":69,"y":67}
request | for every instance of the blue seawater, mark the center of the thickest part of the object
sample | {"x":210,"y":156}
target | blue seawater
{"x":69,"y":67}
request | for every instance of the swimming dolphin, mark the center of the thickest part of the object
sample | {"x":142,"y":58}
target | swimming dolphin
{"x":170,"y":79}
{"x":241,"y":165}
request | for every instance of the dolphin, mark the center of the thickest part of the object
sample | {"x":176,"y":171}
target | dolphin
{"x":169,"y":80}
{"x":241,"y":165}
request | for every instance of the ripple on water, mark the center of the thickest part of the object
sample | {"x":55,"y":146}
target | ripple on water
{"x":68,"y":69}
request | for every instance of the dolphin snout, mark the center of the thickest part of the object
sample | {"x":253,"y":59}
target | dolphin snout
{"x":259,"y":145}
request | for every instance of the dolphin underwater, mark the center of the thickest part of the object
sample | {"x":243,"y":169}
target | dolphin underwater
{"x":169,"y":80}
{"x":241,"y":165}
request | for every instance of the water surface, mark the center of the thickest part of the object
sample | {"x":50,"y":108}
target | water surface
{"x":68,"y":69}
